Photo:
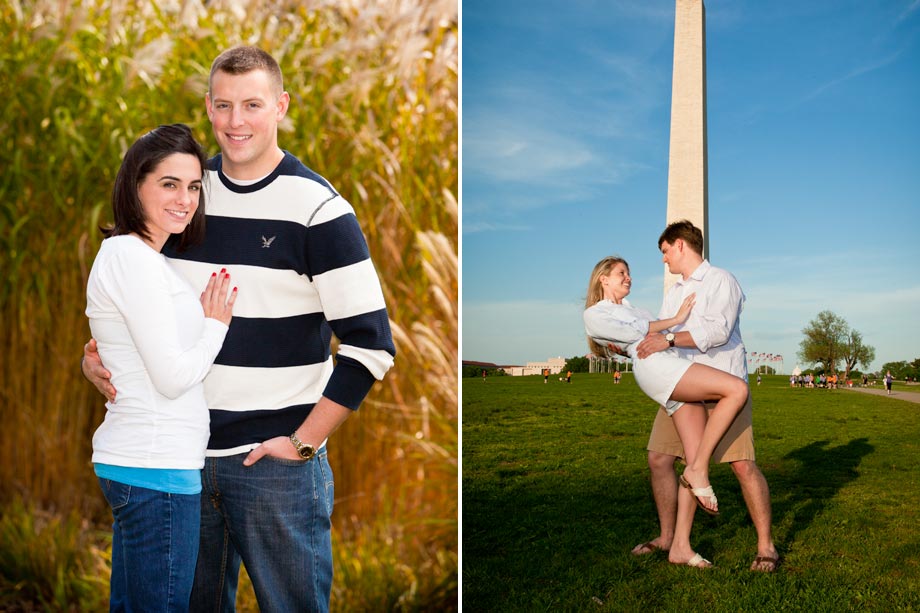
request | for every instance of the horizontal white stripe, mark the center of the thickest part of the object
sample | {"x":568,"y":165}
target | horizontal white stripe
{"x":237,"y":388}
{"x":350,"y":290}
{"x":287,"y":198}
{"x":291,"y":294}
{"x":222,"y":453}
{"x":377,"y":361}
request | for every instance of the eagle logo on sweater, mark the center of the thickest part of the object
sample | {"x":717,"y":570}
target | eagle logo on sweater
{"x":267,"y":242}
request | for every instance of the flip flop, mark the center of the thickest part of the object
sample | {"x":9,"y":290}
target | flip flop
{"x":701,"y":491}
{"x":697,"y":561}
{"x":646,"y":548}
{"x":773,"y":561}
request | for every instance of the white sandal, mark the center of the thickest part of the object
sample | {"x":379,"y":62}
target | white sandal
{"x":701,"y":491}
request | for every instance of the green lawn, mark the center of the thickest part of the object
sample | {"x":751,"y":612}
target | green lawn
{"x":556,"y":493}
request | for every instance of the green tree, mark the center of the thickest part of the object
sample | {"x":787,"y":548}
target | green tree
{"x":856,"y":352}
{"x":829,"y":339}
{"x":898,"y":370}
{"x":579,"y":363}
{"x":915,"y":370}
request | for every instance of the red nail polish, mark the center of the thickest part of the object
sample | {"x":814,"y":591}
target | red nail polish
{"x":223,"y":270}
{"x":234,"y":289}
{"x":213,"y":274}
{"x":227,"y":276}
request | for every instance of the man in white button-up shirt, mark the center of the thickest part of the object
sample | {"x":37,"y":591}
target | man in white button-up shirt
{"x":712,"y":336}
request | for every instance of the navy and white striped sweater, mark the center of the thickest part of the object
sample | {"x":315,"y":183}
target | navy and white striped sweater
{"x":293,"y":247}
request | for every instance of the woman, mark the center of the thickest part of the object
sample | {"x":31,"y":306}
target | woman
{"x":159,"y":338}
{"x":669,"y":380}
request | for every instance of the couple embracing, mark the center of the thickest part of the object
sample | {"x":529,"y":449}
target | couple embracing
{"x":692,"y":362}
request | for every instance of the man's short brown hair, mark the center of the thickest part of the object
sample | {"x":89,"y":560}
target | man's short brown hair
{"x":686,"y":231}
{"x":242,"y":60}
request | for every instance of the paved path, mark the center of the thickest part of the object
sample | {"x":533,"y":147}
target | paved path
{"x":900,"y":395}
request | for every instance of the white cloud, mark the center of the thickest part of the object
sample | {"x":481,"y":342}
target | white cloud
{"x":486,"y":226}
{"x":910,"y":9}
{"x":855,"y":72}
{"x":503,"y":149}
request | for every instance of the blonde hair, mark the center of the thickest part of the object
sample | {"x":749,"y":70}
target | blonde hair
{"x":596,"y":292}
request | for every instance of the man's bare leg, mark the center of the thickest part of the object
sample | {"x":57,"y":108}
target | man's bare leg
{"x":664,"y":490}
{"x":756,"y":494}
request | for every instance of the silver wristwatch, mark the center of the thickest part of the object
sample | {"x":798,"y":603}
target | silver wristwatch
{"x":306,"y":451}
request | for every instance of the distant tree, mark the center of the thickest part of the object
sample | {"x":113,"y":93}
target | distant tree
{"x":471,"y":371}
{"x":855,"y":352}
{"x":476,"y":371}
{"x":579,"y":363}
{"x":825,"y":341}
{"x":914,"y":370}
{"x":898,"y":370}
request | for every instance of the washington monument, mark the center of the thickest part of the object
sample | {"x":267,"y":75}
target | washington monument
{"x":688,"y":192}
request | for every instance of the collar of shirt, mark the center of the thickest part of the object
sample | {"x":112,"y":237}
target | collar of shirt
{"x":696,"y":275}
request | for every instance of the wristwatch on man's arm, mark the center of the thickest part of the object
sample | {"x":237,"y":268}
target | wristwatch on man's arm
{"x":306,"y":451}
{"x":670,"y":338}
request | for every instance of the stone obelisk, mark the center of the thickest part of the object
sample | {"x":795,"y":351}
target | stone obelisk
{"x":688,"y":192}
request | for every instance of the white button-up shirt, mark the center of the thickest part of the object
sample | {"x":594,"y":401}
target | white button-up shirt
{"x":714,"y":322}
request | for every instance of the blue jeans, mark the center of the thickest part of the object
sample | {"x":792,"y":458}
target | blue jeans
{"x":275,"y":517}
{"x":154,"y":547}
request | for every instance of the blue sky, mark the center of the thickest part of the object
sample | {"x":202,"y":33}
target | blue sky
{"x":814,"y":166}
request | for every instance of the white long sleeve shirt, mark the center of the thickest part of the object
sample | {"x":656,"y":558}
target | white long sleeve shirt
{"x":714,"y":322}
{"x":155,"y":340}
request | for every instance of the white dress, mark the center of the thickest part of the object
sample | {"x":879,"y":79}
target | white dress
{"x":625,"y":326}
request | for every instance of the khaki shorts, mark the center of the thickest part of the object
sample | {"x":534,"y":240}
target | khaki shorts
{"x":737,"y":444}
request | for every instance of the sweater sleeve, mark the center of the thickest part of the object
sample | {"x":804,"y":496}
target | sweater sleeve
{"x":138,"y":286}
{"x":353,"y":304}
{"x":611,"y":322}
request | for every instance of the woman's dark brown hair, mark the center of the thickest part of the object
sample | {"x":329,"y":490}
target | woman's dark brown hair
{"x":140,"y":160}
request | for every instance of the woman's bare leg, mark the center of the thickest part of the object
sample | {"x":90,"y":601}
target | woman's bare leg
{"x":702,"y":382}
{"x":690,"y":422}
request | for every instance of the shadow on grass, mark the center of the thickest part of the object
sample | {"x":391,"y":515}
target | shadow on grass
{"x":821,"y":473}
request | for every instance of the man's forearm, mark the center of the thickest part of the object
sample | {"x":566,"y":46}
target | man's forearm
{"x":323,"y":420}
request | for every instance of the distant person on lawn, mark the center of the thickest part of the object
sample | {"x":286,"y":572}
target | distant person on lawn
{"x":670,"y":380}
{"x":711,"y":335}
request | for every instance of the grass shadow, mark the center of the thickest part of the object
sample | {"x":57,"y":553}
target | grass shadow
{"x":819,"y":475}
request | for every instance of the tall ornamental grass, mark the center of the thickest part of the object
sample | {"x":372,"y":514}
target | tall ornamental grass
{"x":373,"y":89}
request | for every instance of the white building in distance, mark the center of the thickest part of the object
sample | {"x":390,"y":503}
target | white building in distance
{"x":553,"y":365}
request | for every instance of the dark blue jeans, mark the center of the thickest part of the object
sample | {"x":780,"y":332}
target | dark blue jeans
{"x":154,"y":547}
{"x":275,"y":517}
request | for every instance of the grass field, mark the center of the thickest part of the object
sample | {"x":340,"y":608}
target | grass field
{"x":556,"y":493}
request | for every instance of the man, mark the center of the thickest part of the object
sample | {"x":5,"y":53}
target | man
{"x":712,"y":336}
{"x":298,"y":256}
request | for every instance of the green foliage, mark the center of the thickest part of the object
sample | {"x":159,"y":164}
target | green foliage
{"x":52,"y":561}
{"x":829,"y":340}
{"x":579,"y":363}
{"x":371,"y":576}
{"x":901,"y":370}
{"x":556,"y":493}
{"x":476,"y":371}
